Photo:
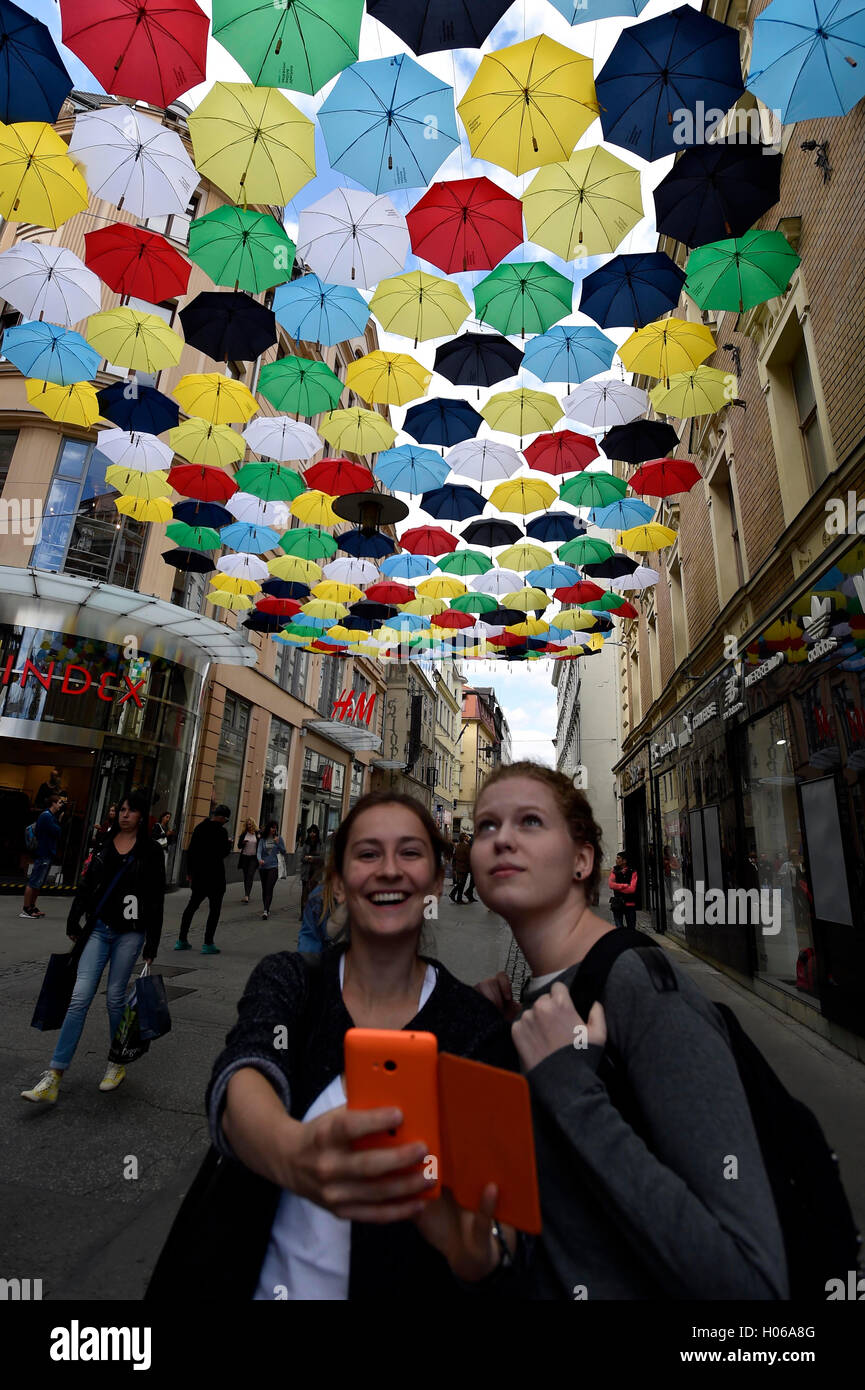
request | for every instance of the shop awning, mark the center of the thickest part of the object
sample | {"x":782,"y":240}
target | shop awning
{"x":344,"y":735}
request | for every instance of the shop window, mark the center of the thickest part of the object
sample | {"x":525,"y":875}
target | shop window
{"x":82,"y":531}
{"x":275,"y":772}
{"x":806,"y":410}
{"x":8,"y":440}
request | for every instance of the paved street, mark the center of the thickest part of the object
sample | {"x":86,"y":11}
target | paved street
{"x":67,"y":1212}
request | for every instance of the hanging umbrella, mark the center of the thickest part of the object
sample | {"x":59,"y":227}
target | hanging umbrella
{"x":293,"y":568}
{"x":465,"y":224}
{"x":225,"y":325}
{"x":429,"y":25}
{"x":236,"y":603}
{"x":131,"y":406}
{"x":198,"y":442}
{"x":376,"y":123}
{"x":484,"y":460}
{"x":664,"y":478}
{"x":452,"y":618}
{"x":639,"y":440}
{"x":586,"y":550}
{"x":133,"y":261}
{"x":585,"y":206}
{"x":252,"y":143}
{"x":642,"y":578}
{"x":660,"y":73}
{"x":42,"y":281}
{"x":68,"y":405}
{"x":576,"y":619}
{"x":630,"y":291}
{"x":281,"y":438}
{"x":704,"y":391}
{"x":310,"y":309}
{"x":553,"y":527}
{"x":529,"y":104}
{"x":592,"y":490}
{"x":357,"y":431}
{"x":406,"y":566}
{"x":387,"y":378}
{"x":390,"y":593}
{"x":308,"y":543}
{"x":619,"y":515}
{"x":569,"y":353}
{"x":648,"y":537}
{"x":201,"y":482}
{"x":313,"y":508}
{"x":601,"y":404}
{"x":527,"y":599}
{"x":521,"y":557}
{"x":579,"y":592}
{"x":353,"y":571}
{"x":561,"y":451}
{"x":478,"y":359}
{"x":363,"y":545}
{"x":419,"y":306}
{"x":34,"y":82}
{"x":242,"y":248}
{"x":321,"y":608}
{"x":133,"y":161}
{"x":300,"y":384}
{"x":410,"y":469}
{"x":143,"y":453}
{"x":193,"y":537}
{"x":158,"y":509}
{"x":474,"y":603}
{"x":150,"y":50}
{"x":716,"y":190}
{"x":442,"y":420}
{"x":216,"y":398}
{"x":50,"y":353}
{"x":440,"y":586}
{"x":257,"y":621}
{"x":189,"y":561}
{"x":500,"y":581}
{"x":463,"y":562}
{"x":669,"y":346}
{"x":424,"y":607}
{"x":523,"y":495}
{"x":353,"y":237}
{"x":606,"y":564}
{"x":501,"y":617}
{"x":283,"y":588}
{"x":427,"y":540}
{"x":277,"y":607}
{"x":131,"y":338}
{"x":39,"y":183}
{"x":523,"y":298}
{"x":300,"y":45}
{"x":808,"y":60}
{"x":491,"y":533}
{"x":743,"y":271}
{"x":522,"y":412}
{"x":249,"y":537}
{"x":453,"y":502}
{"x":133,"y":483}
{"x":270,"y":481}
{"x":338,"y":477}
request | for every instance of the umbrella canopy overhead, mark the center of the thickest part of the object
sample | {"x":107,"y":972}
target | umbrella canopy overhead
{"x":632,"y":290}
{"x":492,"y":533}
{"x":145,"y":408}
{"x":226,"y":325}
{"x":598,"y":405}
{"x":338,"y":476}
{"x":299,"y":45}
{"x":68,"y":405}
{"x":669,"y":346}
{"x":620,"y":514}
{"x":150,"y":50}
{"x":300,"y":384}
{"x":523,"y":298}
{"x":561,"y":451}
{"x":410,"y":469}
{"x":131,"y":338}
{"x":717,"y":190}
{"x":34,"y":82}
{"x":252,"y":143}
{"x":318,"y":312}
{"x":639,"y":440}
{"x":453,"y":502}
{"x":270,"y":481}
{"x":281,"y":438}
{"x":584,"y":206}
{"x":808,"y":61}
{"x":523,"y":495}
{"x":43,"y":281}
{"x":429,"y":25}
{"x":50,"y":353}
{"x":216,"y":398}
{"x":569,"y":353}
{"x":241,"y":247}
{"x":522,"y":411}
{"x":743,"y":271}
{"x":353,"y":238}
{"x":427,"y":540}
{"x":465,"y":224}
{"x":443,"y":421}
{"x":553,"y":527}
{"x":357,"y":431}
{"x":485,"y":460}
{"x":596,"y":489}
{"x":391,"y":378}
{"x":664,"y":477}
{"x":704,"y":391}
{"x":200,"y":442}
{"x":134,"y":261}
{"x":420,"y":306}
{"x":39,"y":182}
{"x":478,"y":359}
{"x":133,"y":161}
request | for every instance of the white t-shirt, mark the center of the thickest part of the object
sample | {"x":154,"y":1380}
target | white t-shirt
{"x":310,"y":1249}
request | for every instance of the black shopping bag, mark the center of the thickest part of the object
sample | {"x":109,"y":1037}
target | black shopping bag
{"x":56,"y":991}
{"x":127,"y":1045}
{"x":154,"y":1020}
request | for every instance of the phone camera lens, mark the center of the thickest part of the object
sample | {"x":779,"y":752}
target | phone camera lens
{"x":390,"y":1066}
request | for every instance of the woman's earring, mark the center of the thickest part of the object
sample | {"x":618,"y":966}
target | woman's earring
{"x":578,"y":874}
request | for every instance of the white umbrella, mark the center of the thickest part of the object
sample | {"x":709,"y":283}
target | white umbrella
{"x":351,"y":237}
{"x":497,"y":582}
{"x":134,"y":162}
{"x":143,"y":453}
{"x":642,"y":578}
{"x":483,"y":460}
{"x":42,"y":281}
{"x":257,"y":512}
{"x":243,"y":566}
{"x":280,"y":437}
{"x":601,"y":404}
{"x":351,"y":571}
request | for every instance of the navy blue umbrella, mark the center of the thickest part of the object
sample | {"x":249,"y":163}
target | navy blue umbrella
{"x":478,"y":359}
{"x":502,"y":617}
{"x":453,"y":502}
{"x":664,"y":78}
{"x":717,"y":191}
{"x":442,"y":421}
{"x":365,"y":547}
{"x":202,"y":514}
{"x":285,"y":588}
{"x":428,"y":26}
{"x":631,"y":291}
{"x":555,"y":526}
{"x":132,"y":407}
{"x":615,"y":567}
{"x":639,"y":441}
{"x":263,"y":622}
{"x":369,"y":615}
{"x":34,"y":82}
{"x":492,"y":533}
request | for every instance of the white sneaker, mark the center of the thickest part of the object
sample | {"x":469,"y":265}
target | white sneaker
{"x":264,"y":916}
{"x":46,"y":1087}
{"x":112,"y":1078}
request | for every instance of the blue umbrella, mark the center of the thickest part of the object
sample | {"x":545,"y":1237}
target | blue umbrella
{"x":808,"y":58}
{"x":579,"y":11}
{"x":315,"y":311}
{"x":453,"y":502}
{"x":411,"y":622}
{"x":365,"y":547}
{"x":555,"y":576}
{"x":407,"y":566}
{"x":553,"y":527}
{"x":570,"y":353}
{"x":201,"y":513}
{"x":618,"y":516}
{"x":285,"y":588}
{"x":34,"y":82}
{"x":631,"y":291}
{"x":246,"y":536}
{"x":442,"y":421}
{"x":389,"y":123}
{"x":130,"y":406}
{"x":50,"y":353}
{"x":651,"y":84}
{"x":410,"y":469}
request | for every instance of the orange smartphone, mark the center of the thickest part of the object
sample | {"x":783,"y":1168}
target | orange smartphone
{"x":388,"y":1066}
{"x":487,"y":1136}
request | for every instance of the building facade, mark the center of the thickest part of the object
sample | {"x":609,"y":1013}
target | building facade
{"x":449,"y":689}
{"x":588,"y":738}
{"x":484,"y":744}
{"x":407,"y":762}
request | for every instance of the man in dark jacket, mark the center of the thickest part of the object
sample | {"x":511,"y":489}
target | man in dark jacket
{"x":47,"y":829}
{"x":462,"y":864}
{"x":205,"y":863}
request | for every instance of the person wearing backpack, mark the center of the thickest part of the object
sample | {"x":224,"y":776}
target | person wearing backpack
{"x":41,"y":840}
{"x":623,"y":883}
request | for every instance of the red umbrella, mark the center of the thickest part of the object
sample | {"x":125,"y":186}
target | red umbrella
{"x":507,"y":639}
{"x":390,"y":593}
{"x":281,"y":607}
{"x":317,"y":646}
{"x":624,"y":610}
{"x":338,"y":477}
{"x":133,"y":261}
{"x":427,"y":540}
{"x":465,"y":224}
{"x":561,"y":451}
{"x":151,"y":50}
{"x":452,"y":617}
{"x":201,"y":481}
{"x":664,"y":477}
{"x":579,"y":593}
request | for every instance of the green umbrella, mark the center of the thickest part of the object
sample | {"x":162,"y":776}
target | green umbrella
{"x":585,"y":550}
{"x":239,"y":247}
{"x":270,"y":481}
{"x":741,"y":272}
{"x":297,"y":44}
{"x":465,"y":562}
{"x":300,"y":385}
{"x":308,"y":543}
{"x":474,"y":603}
{"x":593,"y":490}
{"x":523,"y":297}
{"x":309,"y":634}
{"x":606,"y":603}
{"x":193,"y":537}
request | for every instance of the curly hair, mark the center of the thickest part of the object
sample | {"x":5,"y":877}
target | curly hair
{"x":573,"y":804}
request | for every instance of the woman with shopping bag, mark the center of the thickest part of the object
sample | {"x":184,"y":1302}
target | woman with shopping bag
{"x":271,"y":857}
{"x":121,"y":898}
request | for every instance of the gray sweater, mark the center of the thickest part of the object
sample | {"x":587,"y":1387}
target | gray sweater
{"x":631,"y":1217}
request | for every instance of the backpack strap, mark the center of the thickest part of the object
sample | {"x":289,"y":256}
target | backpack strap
{"x":590,"y":980}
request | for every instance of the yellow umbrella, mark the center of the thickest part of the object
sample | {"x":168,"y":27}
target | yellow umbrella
{"x":39,"y":183}
{"x":319,"y":608}
{"x":68,"y":405}
{"x":666,"y":347}
{"x":357,"y":431}
{"x":704,"y":391}
{"x":529,"y":104}
{"x":293,"y":568}
{"x":652,"y":536}
{"x":315,"y":509}
{"x":441,"y":587}
{"x":419,"y":305}
{"x":237,"y":603}
{"x":575,"y":619}
{"x":387,"y":378}
{"x":527,"y":600}
{"x":523,"y":495}
{"x":333,"y":592}
{"x":583,"y":207}
{"x":131,"y":338}
{"x":231,"y":584}
{"x":351,"y":635}
{"x":524,"y":556}
{"x":216,"y":398}
{"x":200,"y":442}
{"x":159,"y":509}
{"x":252,"y":143}
{"x":522,"y":412}
{"x":131,"y":483}
{"x":532,"y":627}
{"x":424,"y":607}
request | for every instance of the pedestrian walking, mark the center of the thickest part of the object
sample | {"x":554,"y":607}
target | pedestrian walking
{"x":270,"y":847}
{"x":47,"y":831}
{"x":311,"y":864}
{"x":163,"y":835}
{"x":48,"y":789}
{"x":470,"y":880}
{"x":247,"y":861}
{"x":462,"y":864}
{"x":121,"y":898}
{"x":205,"y":861}
{"x":623,"y":882}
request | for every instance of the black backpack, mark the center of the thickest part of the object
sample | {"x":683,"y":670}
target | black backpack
{"x":820,"y":1235}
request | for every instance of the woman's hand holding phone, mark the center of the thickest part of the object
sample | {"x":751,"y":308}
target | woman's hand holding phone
{"x":465,"y":1238}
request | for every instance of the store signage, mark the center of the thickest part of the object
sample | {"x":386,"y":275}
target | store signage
{"x":77,"y":680}
{"x":670,"y":744}
{"x":733,"y":701}
{"x":354,"y":704}
{"x":770,"y":664}
{"x":822,"y":648}
{"x":696,"y":721}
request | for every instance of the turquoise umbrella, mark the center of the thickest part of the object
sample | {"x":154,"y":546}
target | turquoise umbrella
{"x":808,"y":58}
{"x":314,"y":311}
{"x":50,"y":353}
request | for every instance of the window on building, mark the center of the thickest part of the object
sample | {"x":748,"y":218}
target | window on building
{"x":8,"y":440}
{"x":806,"y":408}
{"x":82,"y":531}
{"x":189,"y":591}
{"x":677,"y":610}
{"x":228,"y":773}
{"x":176,"y":226}
{"x":331,"y":685}
{"x":734,"y":532}
{"x":729,"y":552}
{"x":292,"y":671}
{"x":10,"y":318}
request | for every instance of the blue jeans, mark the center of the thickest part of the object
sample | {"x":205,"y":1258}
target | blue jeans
{"x":122,"y":950}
